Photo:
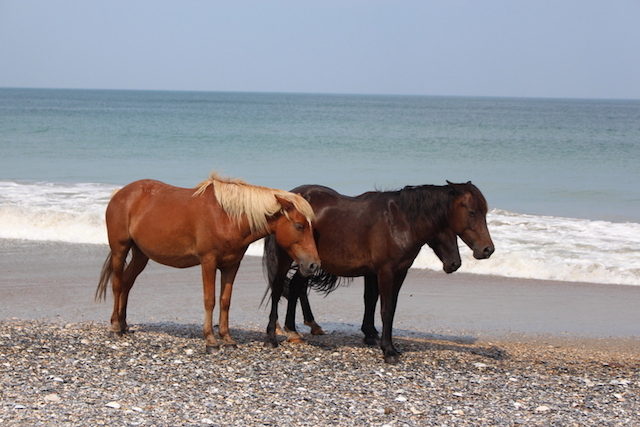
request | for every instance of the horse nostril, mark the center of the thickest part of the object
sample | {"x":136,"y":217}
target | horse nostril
{"x":488,"y":251}
{"x":313,"y":266}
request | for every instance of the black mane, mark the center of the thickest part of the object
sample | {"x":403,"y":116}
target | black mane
{"x":430,"y":202}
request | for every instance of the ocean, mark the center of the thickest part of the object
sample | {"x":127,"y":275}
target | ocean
{"x":561,"y":176}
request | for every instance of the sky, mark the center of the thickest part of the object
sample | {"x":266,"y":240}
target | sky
{"x":556,"y":49}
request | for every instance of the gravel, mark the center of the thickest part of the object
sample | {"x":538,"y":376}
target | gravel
{"x":159,"y":375}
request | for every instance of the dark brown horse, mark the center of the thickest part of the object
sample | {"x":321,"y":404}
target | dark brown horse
{"x":211,"y":225}
{"x":378,"y":235}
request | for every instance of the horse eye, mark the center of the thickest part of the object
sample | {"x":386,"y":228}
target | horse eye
{"x":298,"y":226}
{"x":472,"y":212}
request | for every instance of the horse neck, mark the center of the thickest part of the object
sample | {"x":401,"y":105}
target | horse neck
{"x":247,"y":235}
{"x":427,"y":210}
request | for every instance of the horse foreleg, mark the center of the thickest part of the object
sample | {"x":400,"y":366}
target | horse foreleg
{"x":277,"y":288}
{"x":209,"y":288}
{"x":226,"y":288}
{"x":296,"y":283}
{"x":389,"y":287}
{"x":309,"y":320}
{"x":371,"y":336}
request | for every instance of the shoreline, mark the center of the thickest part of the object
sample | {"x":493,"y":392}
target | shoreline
{"x":61,"y":278}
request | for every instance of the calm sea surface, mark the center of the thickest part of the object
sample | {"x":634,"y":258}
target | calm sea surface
{"x":561,"y":176}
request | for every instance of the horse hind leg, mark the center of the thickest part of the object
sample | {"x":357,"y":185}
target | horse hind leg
{"x":123,"y":280}
{"x":297,"y":287}
{"x":309,"y":320}
{"x":277,"y":289}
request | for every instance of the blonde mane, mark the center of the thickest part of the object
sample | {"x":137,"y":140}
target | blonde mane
{"x":238,"y":198}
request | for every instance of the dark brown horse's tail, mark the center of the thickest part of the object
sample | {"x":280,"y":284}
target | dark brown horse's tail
{"x":269,"y":260}
{"x":105,"y":277}
{"x":269,"y":263}
{"x":320,"y":281}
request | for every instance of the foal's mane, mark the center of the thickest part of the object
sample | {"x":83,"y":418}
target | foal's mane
{"x":239,"y":198}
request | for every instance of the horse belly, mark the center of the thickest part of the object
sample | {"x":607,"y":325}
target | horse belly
{"x":176,"y":260}
{"x":171,"y":243}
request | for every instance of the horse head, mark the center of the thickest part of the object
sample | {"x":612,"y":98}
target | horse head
{"x":445,"y":246}
{"x":469,"y":219}
{"x":294,"y":234}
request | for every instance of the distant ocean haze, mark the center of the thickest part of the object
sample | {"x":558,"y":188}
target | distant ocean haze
{"x":561,"y":176}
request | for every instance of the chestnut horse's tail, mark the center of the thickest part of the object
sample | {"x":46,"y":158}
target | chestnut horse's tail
{"x":320,"y":281}
{"x":105,"y":277}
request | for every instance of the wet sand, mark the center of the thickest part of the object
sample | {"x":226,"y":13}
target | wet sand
{"x":56,"y":282}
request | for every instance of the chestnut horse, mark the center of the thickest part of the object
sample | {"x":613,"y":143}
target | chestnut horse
{"x":378,"y":235}
{"x":211,"y":225}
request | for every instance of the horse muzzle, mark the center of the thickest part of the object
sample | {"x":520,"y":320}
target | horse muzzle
{"x":451,"y":267}
{"x":484,"y":253}
{"x":308,"y":267}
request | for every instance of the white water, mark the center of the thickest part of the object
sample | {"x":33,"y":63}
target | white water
{"x":527,"y":246}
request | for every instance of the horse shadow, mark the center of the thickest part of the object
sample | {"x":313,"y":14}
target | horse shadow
{"x":407,"y":340}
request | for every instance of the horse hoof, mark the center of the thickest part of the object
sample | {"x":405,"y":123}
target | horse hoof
{"x":295,"y":340}
{"x":231,"y":346}
{"x":271,"y":344}
{"x":115,"y":334}
{"x":315,"y":328}
{"x":392,"y":359}
{"x":317,"y":331}
{"x":371,"y":340}
{"x":210,"y":349}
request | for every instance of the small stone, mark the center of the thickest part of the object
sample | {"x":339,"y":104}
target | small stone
{"x":53,"y":397}
{"x":114,"y":405}
{"x":414,"y":411}
{"x":543,"y":408}
{"x":401,"y":399}
{"x":206,"y":421}
{"x":480,"y":365}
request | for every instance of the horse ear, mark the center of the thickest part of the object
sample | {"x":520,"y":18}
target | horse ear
{"x":286,"y":204}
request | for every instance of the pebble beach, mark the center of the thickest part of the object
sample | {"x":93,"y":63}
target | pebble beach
{"x":69,"y":375}
{"x":500,"y":365}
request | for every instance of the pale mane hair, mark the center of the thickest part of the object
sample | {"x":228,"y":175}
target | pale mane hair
{"x":238,"y":198}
